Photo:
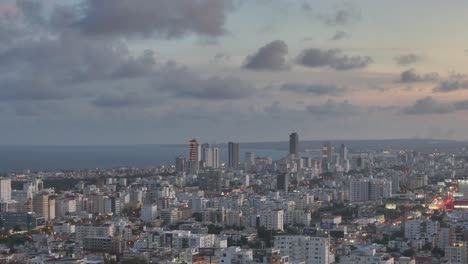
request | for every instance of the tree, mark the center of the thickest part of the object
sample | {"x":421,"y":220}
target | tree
{"x":427,"y":247}
{"x":409,"y":253}
{"x":438,"y":252}
{"x":214,"y":229}
{"x":198,"y":217}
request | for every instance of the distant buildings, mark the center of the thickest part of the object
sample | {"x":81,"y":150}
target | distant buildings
{"x":272,"y":219}
{"x":5,"y":189}
{"x":180,"y":164}
{"x":305,"y":249}
{"x":282,"y":182}
{"x":423,"y":231}
{"x":362,"y":190}
{"x":22,"y":220}
{"x":294,"y":145}
{"x":233,"y":155}
{"x":210,"y":156}
{"x":194,"y":156}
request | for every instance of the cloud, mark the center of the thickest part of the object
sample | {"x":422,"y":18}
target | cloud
{"x":411,"y":76}
{"x":271,"y":57}
{"x":379,"y":108}
{"x":339,"y":35}
{"x":275,"y":107}
{"x":46,"y":67}
{"x":333,"y":58}
{"x":461,"y":105}
{"x":180,"y":82}
{"x":427,"y":106}
{"x":405,"y":60}
{"x":313,"y":89}
{"x":163,"y":18}
{"x":345,"y":14}
{"x":220,"y":58}
{"x":454,"y":82}
{"x":125,"y":100}
{"x":136,"y":67}
{"x":334,"y":109}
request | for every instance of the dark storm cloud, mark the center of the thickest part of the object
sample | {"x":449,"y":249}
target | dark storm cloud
{"x":180,"y":82}
{"x":411,"y":76}
{"x":333,"y":58}
{"x":165,"y":18}
{"x":334,"y":109}
{"x":60,"y":61}
{"x":271,"y":57}
{"x":405,"y":60}
{"x":136,"y":67}
{"x":123,"y":101}
{"x":33,"y":89}
{"x":345,"y":14}
{"x":339,"y":35}
{"x":314,"y":89}
{"x":454,"y":82}
{"x":68,"y":60}
{"x":427,"y":106}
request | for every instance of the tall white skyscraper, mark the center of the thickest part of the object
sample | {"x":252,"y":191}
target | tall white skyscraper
{"x":210,"y":156}
{"x":5,"y":189}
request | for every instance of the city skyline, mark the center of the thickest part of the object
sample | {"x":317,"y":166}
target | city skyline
{"x":344,"y":69}
{"x":233,"y":131}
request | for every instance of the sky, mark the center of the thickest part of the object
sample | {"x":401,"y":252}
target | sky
{"x":120,"y":72}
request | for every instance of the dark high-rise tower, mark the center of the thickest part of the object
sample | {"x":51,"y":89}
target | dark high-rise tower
{"x":294,"y":144}
{"x":233,"y":155}
{"x":180,"y":164}
{"x":282,"y":182}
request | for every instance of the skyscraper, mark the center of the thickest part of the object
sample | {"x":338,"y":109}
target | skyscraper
{"x":327,"y":156}
{"x":194,"y":156}
{"x":343,"y":153}
{"x":233,"y":155}
{"x":210,"y":156}
{"x":204,"y":151}
{"x":282,"y":182}
{"x":294,"y":145}
{"x":194,"y":150}
{"x":180,"y":164}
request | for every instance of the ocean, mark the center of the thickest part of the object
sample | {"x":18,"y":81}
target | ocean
{"x":43,"y":158}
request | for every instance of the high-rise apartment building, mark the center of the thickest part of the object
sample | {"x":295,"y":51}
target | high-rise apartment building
{"x":305,"y":249}
{"x":362,"y":190}
{"x":209,"y":156}
{"x":5,"y":189}
{"x":233,"y":155}
{"x":41,"y":205}
{"x":272,"y":219}
{"x":194,"y":156}
{"x":194,"y":150}
{"x":282,"y":182}
{"x":294,"y":145}
{"x":343,"y":153}
{"x":180,"y":164}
